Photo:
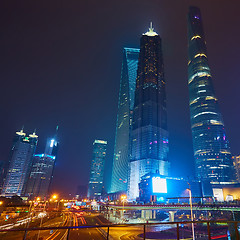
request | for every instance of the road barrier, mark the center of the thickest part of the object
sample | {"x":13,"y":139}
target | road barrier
{"x":210,"y":224}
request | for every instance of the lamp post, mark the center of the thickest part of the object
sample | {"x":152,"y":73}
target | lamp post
{"x":29,"y":214}
{"x":44,"y":208}
{"x":190,"y":200}
{"x":54,"y":197}
{"x":123,"y":198}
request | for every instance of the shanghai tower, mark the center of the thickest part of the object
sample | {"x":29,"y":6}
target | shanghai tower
{"x":149,"y":137}
{"x":212,"y":154}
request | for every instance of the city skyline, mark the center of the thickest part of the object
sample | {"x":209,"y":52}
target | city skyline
{"x":46,"y":87}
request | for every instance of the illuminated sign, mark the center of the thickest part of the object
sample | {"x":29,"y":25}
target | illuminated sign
{"x":159,"y":185}
{"x":100,"y":141}
{"x":52,"y":142}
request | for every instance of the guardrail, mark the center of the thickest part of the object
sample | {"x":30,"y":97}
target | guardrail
{"x":108,"y":226}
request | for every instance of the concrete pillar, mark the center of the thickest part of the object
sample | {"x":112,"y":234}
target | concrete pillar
{"x":147,"y":214}
{"x":143,"y":214}
{"x":171,"y":216}
{"x":154,"y":214}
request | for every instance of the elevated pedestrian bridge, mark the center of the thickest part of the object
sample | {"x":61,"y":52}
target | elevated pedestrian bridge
{"x":175,"y":207}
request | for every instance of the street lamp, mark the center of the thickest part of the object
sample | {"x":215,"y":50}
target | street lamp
{"x":42,"y":215}
{"x":54,"y":196}
{"x":190,"y":200}
{"x":123,"y":198}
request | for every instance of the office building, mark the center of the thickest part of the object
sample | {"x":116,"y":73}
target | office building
{"x":124,"y":119}
{"x":236,"y":163}
{"x":21,"y":156}
{"x":212,"y":155}
{"x":149,"y":136}
{"x":95,"y":186}
{"x":41,"y":173}
{"x":40,"y":176}
{"x":3,"y":171}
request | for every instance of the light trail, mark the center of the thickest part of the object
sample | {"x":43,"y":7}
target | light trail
{"x":57,"y":232}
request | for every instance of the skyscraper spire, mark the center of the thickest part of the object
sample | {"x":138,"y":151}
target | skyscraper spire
{"x":151,"y":32}
{"x":21,"y":133}
{"x":34,"y":134}
{"x":56,"y":132}
{"x":151,"y":27}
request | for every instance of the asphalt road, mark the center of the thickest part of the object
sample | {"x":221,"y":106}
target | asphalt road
{"x":76,"y":219}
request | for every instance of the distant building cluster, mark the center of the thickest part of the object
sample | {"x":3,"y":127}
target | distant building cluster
{"x":140,"y":162}
{"x":28,"y":174}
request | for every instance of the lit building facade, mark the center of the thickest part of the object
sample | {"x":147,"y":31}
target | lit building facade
{"x":149,"y":136}
{"x":236,"y":163}
{"x":40,"y":176}
{"x":41,"y":173}
{"x":3,"y":170}
{"x":124,"y":119}
{"x":21,"y":156}
{"x":95,"y":186}
{"x":212,"y":155}
{"x":155,"y":188}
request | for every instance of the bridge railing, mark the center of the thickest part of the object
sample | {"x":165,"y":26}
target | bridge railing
{"x":142,"y":227}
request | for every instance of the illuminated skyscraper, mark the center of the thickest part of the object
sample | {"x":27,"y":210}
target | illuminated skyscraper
{"x":124,"y":119}
{"x":149,"y":142}
{"x":20,"y":163}
{"x":95,"y":186}
{"x":213,"y":159}
{"x":40,"y":176}
{"x":41,"y":173}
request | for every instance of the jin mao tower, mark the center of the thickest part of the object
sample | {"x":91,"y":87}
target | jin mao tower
{"x":149,"y":142}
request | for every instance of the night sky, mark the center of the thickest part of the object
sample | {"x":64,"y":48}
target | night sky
{"x":61,"y":64}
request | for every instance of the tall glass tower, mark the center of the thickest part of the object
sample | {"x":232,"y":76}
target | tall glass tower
{"x":22,"y":152}
{"x":149,"y":140}
{"x":95,"y":186}
{"x":124,"y":119}
{"x":211,"y":147}
{"x":41,"y":174}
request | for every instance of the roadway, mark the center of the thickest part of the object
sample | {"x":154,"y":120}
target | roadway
{"x":78,"y":219}
{"x":86,"y":219}
{"x":67,"y":219}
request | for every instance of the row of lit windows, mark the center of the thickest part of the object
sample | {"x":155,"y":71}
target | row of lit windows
{"x":198,"y":74}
